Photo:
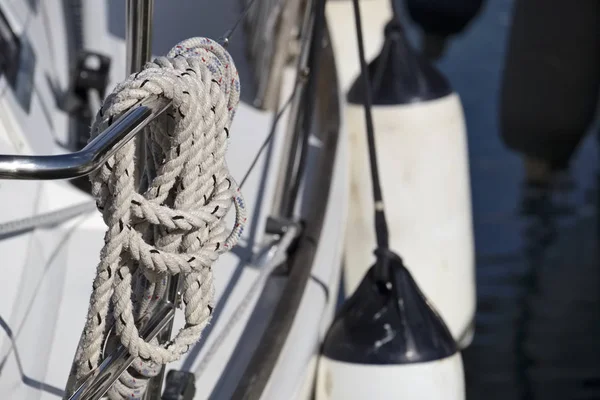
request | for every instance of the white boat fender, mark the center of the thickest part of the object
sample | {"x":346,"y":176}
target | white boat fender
{"x":389,"y":343}
{"x":423,"y":160}
{"x":398,"y":75}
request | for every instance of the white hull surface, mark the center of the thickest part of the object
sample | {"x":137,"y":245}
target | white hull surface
{"x":435,"y":380}
{"x":423,"y":161}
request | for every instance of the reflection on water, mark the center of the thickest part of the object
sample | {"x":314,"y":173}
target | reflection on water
{"x":538,"y":319}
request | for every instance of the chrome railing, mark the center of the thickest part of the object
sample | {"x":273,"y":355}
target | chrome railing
{"x":92,"y":156}
{"x":103,"y":377}
{"x":88,"y":159}
{"x":139,"y":51}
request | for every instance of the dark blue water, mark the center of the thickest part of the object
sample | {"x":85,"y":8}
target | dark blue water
{"x":538,"y":318}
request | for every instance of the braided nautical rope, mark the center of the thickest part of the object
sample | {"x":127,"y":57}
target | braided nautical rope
{"x":173,"y":224}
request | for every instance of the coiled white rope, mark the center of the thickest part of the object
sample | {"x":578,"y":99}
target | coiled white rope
{"x":177,"y":225}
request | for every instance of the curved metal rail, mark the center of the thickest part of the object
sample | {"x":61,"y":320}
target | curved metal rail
{"x":88,"y":159}
{"x":81,"y":163}
{"x":103,"y":377}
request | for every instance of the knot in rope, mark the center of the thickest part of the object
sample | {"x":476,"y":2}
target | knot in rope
{"x":174,"y":223}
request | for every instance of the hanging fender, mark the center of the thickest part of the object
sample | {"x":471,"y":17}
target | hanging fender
{"x":441,"y":19}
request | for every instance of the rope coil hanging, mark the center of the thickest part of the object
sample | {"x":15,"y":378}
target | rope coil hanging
{"x":174,"y":223}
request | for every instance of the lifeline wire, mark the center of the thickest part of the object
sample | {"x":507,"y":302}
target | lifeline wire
{"x":227,"y":35}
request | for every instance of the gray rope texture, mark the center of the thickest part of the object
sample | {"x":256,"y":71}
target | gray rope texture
{"x":173,"y":224}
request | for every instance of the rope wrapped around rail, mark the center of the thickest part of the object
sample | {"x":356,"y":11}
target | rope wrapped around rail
{"x":175,"y":222}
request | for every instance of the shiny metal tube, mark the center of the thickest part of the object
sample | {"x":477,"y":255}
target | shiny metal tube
{"x":139,"y":51}
{"x":103,"y":377}
{"x":80,"y":163}
{"x":85,"y":161}
{"x":138,"y":38}
{"x":88,"y":159}
{"x":139,"y":33}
